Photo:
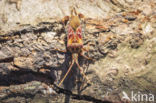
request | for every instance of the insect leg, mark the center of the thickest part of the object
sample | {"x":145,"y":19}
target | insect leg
{"x":67,"y":73}
{"x":82,"y":54}
{"x":82,"y":72}
{"x":85,"y":48}
{"x":65,"y":20}
{"x":63,"y":51}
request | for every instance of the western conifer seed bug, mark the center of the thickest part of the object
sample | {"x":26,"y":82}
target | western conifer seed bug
{"x":74,"y":40}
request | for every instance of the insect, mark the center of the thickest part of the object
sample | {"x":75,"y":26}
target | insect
{"x":74,"y":40}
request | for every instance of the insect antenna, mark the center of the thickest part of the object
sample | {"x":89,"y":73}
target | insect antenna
{"x":73,"y":11}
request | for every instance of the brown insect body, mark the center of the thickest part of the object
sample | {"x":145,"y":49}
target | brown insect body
{"x":74,"y":40}
{"x":74,"y":44}
{"x":74,"y":31}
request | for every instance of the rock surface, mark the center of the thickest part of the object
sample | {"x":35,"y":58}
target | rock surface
{"x":120,"y":35}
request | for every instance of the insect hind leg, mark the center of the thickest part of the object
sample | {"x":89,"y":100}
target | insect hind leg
{"x":71,"y":65}
{"x":82,"y":72}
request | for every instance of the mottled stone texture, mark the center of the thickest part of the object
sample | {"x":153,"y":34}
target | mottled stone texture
{"x":120,"y":36}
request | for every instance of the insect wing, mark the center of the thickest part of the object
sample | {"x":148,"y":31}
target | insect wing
{"x":70,"y":33}
{"x":79,"y":34}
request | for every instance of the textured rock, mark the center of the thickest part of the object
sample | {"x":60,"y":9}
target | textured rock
{"x":119,"y":35}
{"x":23,"y":62}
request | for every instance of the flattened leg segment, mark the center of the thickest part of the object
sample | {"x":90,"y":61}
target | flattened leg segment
{"x":82,"y":72}
{"x":66,"y":73}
